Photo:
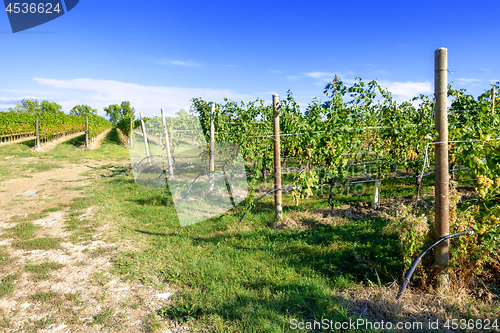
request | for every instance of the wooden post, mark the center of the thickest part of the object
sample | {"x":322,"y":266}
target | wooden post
{"x":278,"y":205}
{"x":376,"y":194}
{"x":394,"y":166}
{"x":131,"y":132}
{"x":212,"y":148}
{"x":86,"y":131}
{"x":144,"y":133}
{"x":442,"y":255}
{"x":493,"y":101}
{"x":37,"y":132}
{"x":167,"y":146}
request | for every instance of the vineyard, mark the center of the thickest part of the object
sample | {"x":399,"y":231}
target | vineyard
{"x":15,"y":125}
{"x":359,"y":138}
{"x":250,"y":217}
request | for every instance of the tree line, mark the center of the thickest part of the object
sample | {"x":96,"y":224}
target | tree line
{"x":114,"y":112}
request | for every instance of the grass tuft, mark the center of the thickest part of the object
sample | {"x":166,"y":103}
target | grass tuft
{"x":103,"y":317}
{"x":46,"y":243}
{"x":45,"y":297}
{"x":6,"y":284}
{"x":23,"y":230}
{"x":41,"y":272}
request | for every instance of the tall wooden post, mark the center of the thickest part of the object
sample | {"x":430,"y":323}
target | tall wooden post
{"x":144,"y":133}
{"x":376,"y":193}
{"x":493,"y":101}
{"x":86,"y":131}
{"x":394,"y":166}
{"x":131,"y":132}
{"x":211,"y":165}
{"x":167,"y":146}
{"x":442,"y":227}
{"x":278,"y":204}
{"x":37,"y":132}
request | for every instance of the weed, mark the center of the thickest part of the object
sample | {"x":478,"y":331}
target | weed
{"x":183,"y":312}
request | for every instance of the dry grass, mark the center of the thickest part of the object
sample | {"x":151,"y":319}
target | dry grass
{"x":378,"y":303}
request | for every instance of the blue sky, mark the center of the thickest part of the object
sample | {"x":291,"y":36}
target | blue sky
{"x":160,"y":54}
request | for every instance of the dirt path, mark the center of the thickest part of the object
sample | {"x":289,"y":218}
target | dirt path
{"x":53,"y":282}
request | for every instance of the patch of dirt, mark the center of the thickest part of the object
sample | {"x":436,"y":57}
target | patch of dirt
{"x":46,"y":189}
{"x":123,"y":138}
{"x":48,"y":146}
{"x":82,"y":294}
{"x":97,"y":140}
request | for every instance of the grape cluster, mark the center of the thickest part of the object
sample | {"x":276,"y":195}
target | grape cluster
{"x":488,"y":223}
{"x":412,"y":156}
{"x":484,"y":183}
{"x":497,"y":182}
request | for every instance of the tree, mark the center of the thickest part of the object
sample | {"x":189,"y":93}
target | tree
{"x":51,"y":107}
{"x":31,"y":105}
{"x":82,"y":110}
{"x":115,"y":112}
{"x":127,"y":110}
{"x":27,"y":105}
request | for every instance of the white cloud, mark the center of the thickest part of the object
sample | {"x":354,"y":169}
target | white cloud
{"x":321,"y":77}
{"x":146,"y":99}
{"x":184,"y":63}
{"x":404,"y":91}
{"x":325,"y":77}
{"x":464,"y":81}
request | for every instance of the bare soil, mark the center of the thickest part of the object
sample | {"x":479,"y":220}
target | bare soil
{"x":83,"y":294}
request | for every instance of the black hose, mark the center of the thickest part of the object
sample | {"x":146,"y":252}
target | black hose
{"x":262,"y":196}
{"x":148,"y":157}
{"x":417,"y":260}
{"x":201,"y":174}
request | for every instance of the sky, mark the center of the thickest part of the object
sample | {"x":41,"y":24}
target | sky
{"x":161,"y":54}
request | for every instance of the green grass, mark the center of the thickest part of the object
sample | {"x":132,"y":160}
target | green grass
{"x":46,"y":297}
{"x":4,"y":256}
{"x":28,"y":218}
{"x":245,"y":277}
{"x":23,"y":230}
{"x":46,"y":243}
{"x":5,"y":288}
{"x":74,"y":188}
{"x":103,"y":317}
{"x":41,"y":271}
{"x":7,"y":285}
{"x":41,"y":166}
